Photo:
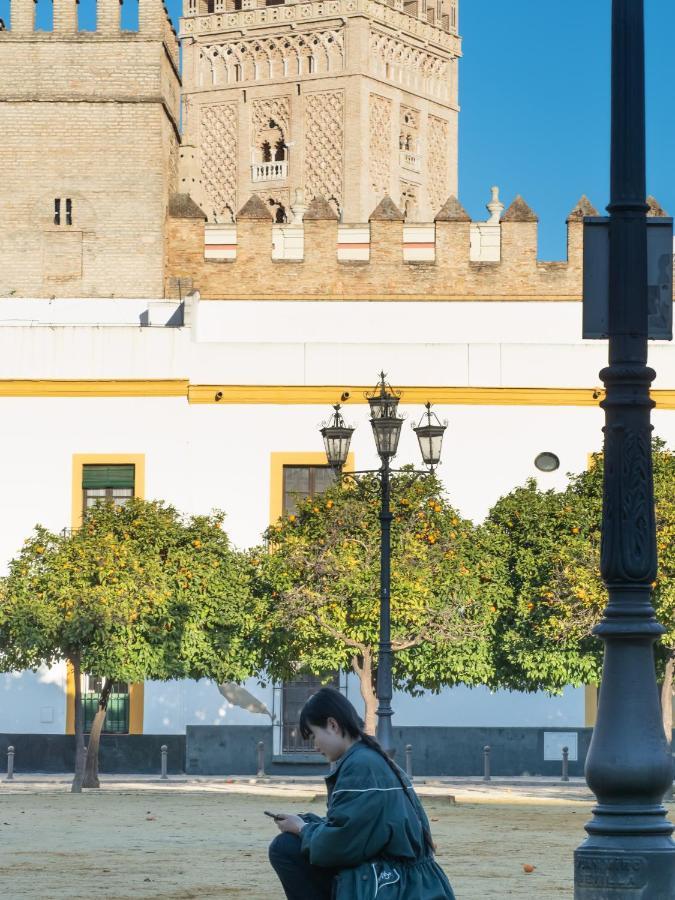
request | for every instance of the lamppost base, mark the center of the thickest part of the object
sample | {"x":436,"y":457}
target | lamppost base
{"x":605,"y":871}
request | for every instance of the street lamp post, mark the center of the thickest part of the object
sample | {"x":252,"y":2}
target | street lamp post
{"x":629,"y":852}
{"x":386,"y":424}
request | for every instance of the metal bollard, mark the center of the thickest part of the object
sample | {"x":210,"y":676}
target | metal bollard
{"x":408,"y":761}
{"x":10,"y":763}
{"x":486,"y":763}
{"x":261,"y":759}
{"x":164,"y":750}
{"x":565,"y":764}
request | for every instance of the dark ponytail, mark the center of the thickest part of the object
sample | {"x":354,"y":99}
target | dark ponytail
{"x":327,"y":703}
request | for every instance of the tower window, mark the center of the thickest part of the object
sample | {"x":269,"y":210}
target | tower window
{"x":63,"y":211}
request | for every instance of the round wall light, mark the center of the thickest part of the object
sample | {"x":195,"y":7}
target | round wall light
{"x":547,"y":462}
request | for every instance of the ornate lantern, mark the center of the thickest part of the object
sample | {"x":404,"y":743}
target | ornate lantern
{"x":384,"y":418}
{"x":430,"y":436}
{"x":336,"y":439}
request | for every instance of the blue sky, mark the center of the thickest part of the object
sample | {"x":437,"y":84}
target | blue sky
{"x":534,"y":90}
{"x":535,"y":93}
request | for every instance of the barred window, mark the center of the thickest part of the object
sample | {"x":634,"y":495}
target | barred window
{"x":100,"y":483}
{"x":303,"y":482}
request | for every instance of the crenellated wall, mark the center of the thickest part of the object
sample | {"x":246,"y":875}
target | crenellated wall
{"x":318,"y":264}
{"x":89,"y":151}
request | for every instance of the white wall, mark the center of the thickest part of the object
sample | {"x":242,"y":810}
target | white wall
{"x":201,"y":457}
{"x":171,"y":706}
{"x":33,"y":702}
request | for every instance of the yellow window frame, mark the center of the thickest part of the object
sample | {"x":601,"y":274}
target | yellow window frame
{"x":80,"y":460}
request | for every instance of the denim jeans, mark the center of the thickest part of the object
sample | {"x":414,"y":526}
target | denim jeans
{"x":300,"y":880}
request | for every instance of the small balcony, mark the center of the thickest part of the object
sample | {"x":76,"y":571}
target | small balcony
{"x":270,"y":171}
{"x":412,"y":161}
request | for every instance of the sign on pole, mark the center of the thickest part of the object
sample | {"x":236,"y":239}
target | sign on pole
{"x":659,"y":275}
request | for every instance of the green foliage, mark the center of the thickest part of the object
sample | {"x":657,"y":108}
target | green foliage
{"x":138,"y":592}
{"x":550,"y":544}
{"x":320,"y":575}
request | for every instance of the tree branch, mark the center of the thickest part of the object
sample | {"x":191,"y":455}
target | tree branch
{"x":350,"y":642}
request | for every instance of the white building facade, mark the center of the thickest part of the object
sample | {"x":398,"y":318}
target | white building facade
{"x":209,"y":412}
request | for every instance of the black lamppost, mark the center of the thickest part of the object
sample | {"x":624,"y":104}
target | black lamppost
{"x":386,"y":424}
{"x":629,"y":852}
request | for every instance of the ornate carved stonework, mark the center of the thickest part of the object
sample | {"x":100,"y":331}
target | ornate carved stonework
{"x":277,"y":109}
{"x":324,"y":139}
{"x":409,"y":132}
{"x":267,"y":58}
{"x":399,"y":62}
{"x":218,"y":140}
{"x":438,"y":140}
{"x":291,"y":70}
{"x":380,"y":144}
{"x":409,"y":200}
{"x":278,"y":201}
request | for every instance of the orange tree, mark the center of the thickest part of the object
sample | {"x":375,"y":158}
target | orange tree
{"x":138,"y":592}
{"x":549,"y":542}
{"x":319,"y":575}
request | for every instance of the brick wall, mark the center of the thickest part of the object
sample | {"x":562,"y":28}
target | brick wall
{"x":92,"y":118}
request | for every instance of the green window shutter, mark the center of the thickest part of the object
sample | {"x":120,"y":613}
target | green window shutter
{"x":108,"y":476}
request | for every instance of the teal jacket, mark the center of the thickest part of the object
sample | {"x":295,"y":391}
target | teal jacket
{"x":373,"y":834}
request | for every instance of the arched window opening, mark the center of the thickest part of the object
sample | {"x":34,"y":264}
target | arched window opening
{"x":270,"y":143}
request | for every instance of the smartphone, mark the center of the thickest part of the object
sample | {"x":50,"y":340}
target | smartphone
{"x":274,"y":816}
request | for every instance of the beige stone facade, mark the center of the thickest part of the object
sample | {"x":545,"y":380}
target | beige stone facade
{"x":89,"y":124}
{"x":350,"y":100}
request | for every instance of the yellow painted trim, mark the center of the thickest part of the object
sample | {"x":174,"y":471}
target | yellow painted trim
{"x":106,"y":459}
{"x":451,"y":396}
{"x":277,"y":463}
{"x":591,"y":704}
{"x":70,"y":699}
{"x":313,"y":394}
{"x":136,"y":691}
{"x":85,"y":388}
{"x":136,"y":707}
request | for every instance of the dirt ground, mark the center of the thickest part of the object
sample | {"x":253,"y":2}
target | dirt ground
{"x":175,"y":846}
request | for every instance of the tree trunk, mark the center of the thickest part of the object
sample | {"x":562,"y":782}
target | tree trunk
{"x":91,"y":767}
{"x":667,"y":698}
{"x":76,"y":787}
{"x":363,"y":666}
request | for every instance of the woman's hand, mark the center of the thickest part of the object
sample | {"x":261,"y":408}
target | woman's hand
{"x":292,"y":824}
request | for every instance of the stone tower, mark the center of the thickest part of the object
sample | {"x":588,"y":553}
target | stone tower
{"x":89,"y":151}
{"x":346,"y":99}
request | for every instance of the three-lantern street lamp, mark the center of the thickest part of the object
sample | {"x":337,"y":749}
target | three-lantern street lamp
{"x":386,"y":424}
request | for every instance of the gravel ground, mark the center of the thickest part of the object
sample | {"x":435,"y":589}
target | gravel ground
{"x":200,"y":843}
